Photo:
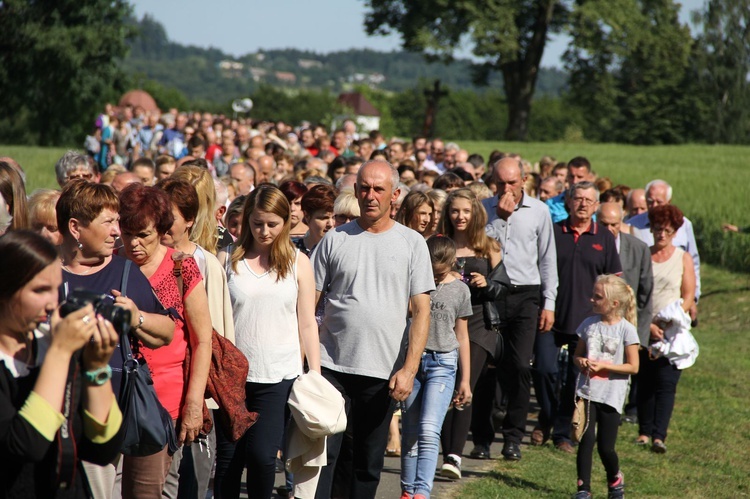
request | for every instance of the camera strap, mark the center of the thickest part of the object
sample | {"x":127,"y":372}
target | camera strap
{"x":67,"y":451}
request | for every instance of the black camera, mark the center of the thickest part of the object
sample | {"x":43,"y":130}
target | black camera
{"x":104,"y":305}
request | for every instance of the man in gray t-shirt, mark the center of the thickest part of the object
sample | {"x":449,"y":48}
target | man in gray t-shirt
{"x":371,"y":270}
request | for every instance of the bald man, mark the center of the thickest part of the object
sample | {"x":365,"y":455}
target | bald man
{"x":266,"y":169}
{"x":523,"y":227}
{"x":122,"y":180}
{"x":636,"y":203}
{"x":362,"y":333}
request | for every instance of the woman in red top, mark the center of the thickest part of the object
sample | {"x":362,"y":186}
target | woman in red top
{"x":145,"y":216}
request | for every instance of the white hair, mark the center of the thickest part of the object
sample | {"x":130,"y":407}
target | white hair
{"x":222,"y":194}
{"x":658,"y":183}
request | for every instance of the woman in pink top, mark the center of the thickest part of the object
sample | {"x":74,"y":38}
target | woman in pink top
{"x":145,"y":216}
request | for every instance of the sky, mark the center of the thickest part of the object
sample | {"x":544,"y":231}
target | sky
{"x":238,"y":27}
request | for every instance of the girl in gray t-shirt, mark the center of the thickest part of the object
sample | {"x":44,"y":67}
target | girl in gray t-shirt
{"x":447,"y":346}
{"x":607,"y":355}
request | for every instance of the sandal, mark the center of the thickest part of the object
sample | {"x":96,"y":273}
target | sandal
{"x":641,"y":441}
{"x":658,"y":447}
{"x":393,"y":452}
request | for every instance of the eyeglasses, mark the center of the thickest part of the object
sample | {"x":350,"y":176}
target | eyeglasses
{"x":84,"y":176}
{"x":342,"y":218}
{"x":662,"y":230}
{"x":581,"y":200}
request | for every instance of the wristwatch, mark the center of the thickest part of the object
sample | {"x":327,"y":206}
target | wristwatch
{"x":140,"y":322}
{"x":99,"y":376}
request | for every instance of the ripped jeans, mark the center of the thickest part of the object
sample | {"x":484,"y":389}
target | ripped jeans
{"x":422,"y":420}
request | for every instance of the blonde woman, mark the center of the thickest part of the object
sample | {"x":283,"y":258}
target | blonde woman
{"x":272,"y":289}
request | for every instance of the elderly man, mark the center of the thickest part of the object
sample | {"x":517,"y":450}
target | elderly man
{"x":371,"y":270}
{"x":585,"y":250}
{"x":636,"y":203}
{"x":266,"y":169}
{"x":124,"y":179}
{"x":244,"y":175}
{"x":659,"y":193}
{"x":73,"y":165}
{"x":549,"y":188}
{"x":523,"y":227}
{"x":579,"y":170}
{"x":635,"y":259}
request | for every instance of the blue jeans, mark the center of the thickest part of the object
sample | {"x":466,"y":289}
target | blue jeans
{"x":422,"y":420}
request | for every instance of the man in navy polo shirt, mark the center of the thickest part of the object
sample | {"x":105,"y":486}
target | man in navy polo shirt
{"x":585,"y":250}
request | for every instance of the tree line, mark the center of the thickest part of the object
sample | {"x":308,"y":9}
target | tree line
{"x":633,"y":72}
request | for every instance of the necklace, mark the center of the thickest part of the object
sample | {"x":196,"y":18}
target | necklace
{"x":65,"y":267}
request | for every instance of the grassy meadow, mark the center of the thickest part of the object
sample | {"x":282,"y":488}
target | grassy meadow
{"x":708,"y":454}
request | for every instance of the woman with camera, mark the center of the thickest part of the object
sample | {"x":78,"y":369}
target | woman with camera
{"x":55,"y":389}
{"x":145,"y":217}
{"x":87,"y":217}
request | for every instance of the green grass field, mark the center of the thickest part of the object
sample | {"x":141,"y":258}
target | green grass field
{"x":708,"y":454}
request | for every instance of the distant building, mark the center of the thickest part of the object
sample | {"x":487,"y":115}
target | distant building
{"x":285,"y":77}
{"x":231,"y":69}
{"x":309,"y":63}
{"x":371,"y":79}
{"x":258,"y":74}
{"x":365,"y":114}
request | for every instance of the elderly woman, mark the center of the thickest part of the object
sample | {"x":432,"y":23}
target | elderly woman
{"x":88,"y":221}
{"x":145,"y":217}
{"x":317,"y":206}
{"x":38,"y":348}
{"x":185,"y":206}
{"x":674,"y":279}
{"x":345,"y":208}
{"x":42,"y":217}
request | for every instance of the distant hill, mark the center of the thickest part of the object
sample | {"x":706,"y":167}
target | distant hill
{"x":213,"y":76}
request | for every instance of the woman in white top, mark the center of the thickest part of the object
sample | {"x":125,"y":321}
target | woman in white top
{"x":273,"y":301}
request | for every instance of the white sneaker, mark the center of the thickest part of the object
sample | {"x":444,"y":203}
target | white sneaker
{"x":451,"y":467}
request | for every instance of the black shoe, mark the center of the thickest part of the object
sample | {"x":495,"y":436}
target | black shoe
{"x":511,"y":451}
{"x":480,"y":452}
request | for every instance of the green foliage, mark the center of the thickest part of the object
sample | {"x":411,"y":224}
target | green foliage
{"x":58,"y":66}
{"x":507,"y":37}
{"x":294,"y":106}
{"x":721,"y":68}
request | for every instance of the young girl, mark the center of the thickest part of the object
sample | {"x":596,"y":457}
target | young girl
{"x":606,"y":355}
{"x":448,"y":341}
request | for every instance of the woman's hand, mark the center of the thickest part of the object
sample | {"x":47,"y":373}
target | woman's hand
{"x":657,"y":333}
{"x":463,"y":395}
{"x":103,"y":342}
{"x":594,"y":366}
{"x":127,"y":304}
{"x":191,"y":422}
{"x":72,"y":332}
{"x":477,"y":280}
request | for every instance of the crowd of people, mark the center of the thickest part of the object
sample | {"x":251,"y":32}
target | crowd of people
{"x":413,"y":276}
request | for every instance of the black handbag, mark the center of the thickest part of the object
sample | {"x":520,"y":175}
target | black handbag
{"x":148,"y":427}
{"x":496,"y":290}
